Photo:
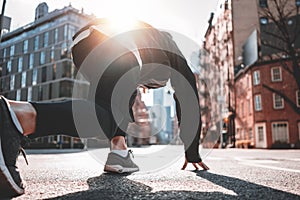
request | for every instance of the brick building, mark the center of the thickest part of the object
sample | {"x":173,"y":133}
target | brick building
{"x":263,"y":117}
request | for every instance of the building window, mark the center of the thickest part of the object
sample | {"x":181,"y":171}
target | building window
{"x":52,"y":54}
{"x":256,"y":78}
{"x":67,"y":69}
{"x":56,"y":35}
{"x":72,"y":31}
{"x":298,"y":98}
{"x":66,"y":32}
{"x":64,"y":50}
{"x":20,"y":64}
{"x":8,"y":67}
{"x":298,"y":3}
{"x":42,"y":57}
{"x":18,"y":96}
{"x":4,"y":54}
{"x":280,"y":132}
{"x":29,"y":94}
{"x":263,"y":3}
{"x":263,"y":20}
{"x":46,"y":39}
{"x":12,"y":82}
{"x":257,"y":101}
{"x":276,"y":74}
{"x":36,"y":43}
{"x":44,"y":74}
{"x":25,"y":46}
{"x":23,"y":82}
{"x":278,"y":102}
{"x":260,"y":131}
{"x":31,"y":60}
{"x":34,"y":76}
{"x":65,"y":88}
{"x":250,"y":134}
{"x":12,"y":51}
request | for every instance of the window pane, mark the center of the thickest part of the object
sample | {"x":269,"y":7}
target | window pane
{"x":18,"y":96}
{"x":12,"y":82}
{"x":56,"y":35}
{"x":276,"y":74}
{"x":65,"y":89}
{"x":46,"y":39}
{"x":20,"y":64}
{"x":36,"y":43}
{"x":8,"y":67}
{"x":23,"y":82}
{"x":29,"y":94}
{"x":31,"y":60}
{"x":44,"y":74}
{"x":42,"y":58}
{"x":263,"y":3}
{"x":25,"y":46}
{"x":66,"y":32}
{"x":257,"y":101}
{"x":263,"y":20}
{"x":278,"y":101}
{"x":12,"y":51}
{"x":256,"y":78}
{"x":260,"y":133}
{"x":280,"y":132}
{"x":4,"y":54}
{"x":52,"y":54}
{"x":34,"y":77}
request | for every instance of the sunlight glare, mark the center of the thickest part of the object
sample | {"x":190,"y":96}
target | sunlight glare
{"x":122,"y":15}
{"x":120,"y":25}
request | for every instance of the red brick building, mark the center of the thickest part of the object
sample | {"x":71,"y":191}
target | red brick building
{"x":267,"y":94}
{"x":265,"y":119}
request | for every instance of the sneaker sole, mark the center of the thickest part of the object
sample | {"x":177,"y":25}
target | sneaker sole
{"x":119,"y":169}
{"x":7,"y":183}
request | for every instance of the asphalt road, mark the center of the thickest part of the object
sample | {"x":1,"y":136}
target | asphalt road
{"x":234,"y":174}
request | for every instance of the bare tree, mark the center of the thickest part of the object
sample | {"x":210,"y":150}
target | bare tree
{"x":280,"y":40}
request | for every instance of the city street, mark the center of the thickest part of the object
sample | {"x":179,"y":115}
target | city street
{"x":234,"y":174}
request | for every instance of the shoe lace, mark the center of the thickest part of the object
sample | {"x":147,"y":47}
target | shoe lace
{"x":24,"y":155}
{"x":131,"y":152}
{"x":24,"y":141}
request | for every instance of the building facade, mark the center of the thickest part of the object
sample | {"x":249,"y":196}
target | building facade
{"x":266,"y":89}
{"x":36,"y":63}
{"x":275,"y":120}
{"x":217,"y":75}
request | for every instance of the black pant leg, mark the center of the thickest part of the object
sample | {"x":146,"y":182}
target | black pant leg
{"x":55,"y":118}
{"x":120,"y":105}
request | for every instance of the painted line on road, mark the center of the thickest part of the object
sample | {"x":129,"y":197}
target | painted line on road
{"x":271,"y":167}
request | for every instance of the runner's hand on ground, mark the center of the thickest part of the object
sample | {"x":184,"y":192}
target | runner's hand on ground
{"x":201,"y":164}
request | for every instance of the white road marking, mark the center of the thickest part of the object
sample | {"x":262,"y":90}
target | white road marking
{"x":271,"y":167}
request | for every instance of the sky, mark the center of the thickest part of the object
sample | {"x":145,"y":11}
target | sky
{"x":188,"y":17}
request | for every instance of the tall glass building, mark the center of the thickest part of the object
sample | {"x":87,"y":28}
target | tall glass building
{"x":35,"y":59}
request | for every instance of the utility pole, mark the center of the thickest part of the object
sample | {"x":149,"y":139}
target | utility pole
{"x":2,"y":18}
